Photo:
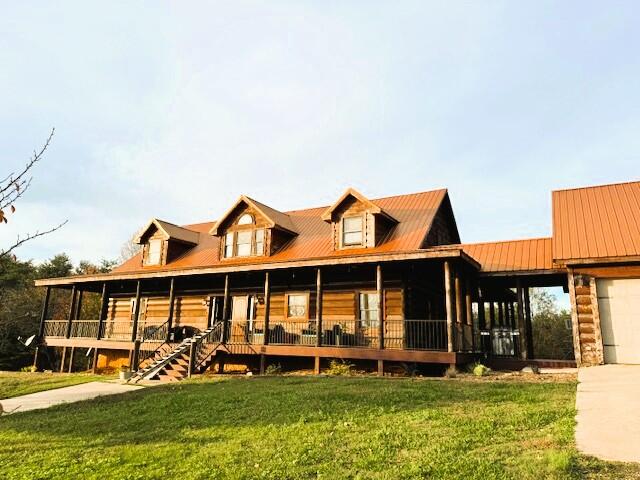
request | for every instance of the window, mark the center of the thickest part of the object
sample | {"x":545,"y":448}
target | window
{"x":352,"y":231}
{"x":259,"y":250}
{"x":297,"y":305}
{"x":368,"y":302}
{"x":154,"y":252}
{"x":245,"y":219}
{"x":243,"y":243}
{"x":228,"y":245}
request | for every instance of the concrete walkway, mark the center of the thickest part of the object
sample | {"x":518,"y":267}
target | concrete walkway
{"x":608,"y":403}
{"x":75,"y":393}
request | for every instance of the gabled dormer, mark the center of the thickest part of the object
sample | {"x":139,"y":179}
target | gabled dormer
{"x":357,"y":222}
{"x":250,"y":228}
{"x":163,"y":242}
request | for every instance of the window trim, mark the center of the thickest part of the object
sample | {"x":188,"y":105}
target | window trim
{"x":307,"y":306}
{"x":147,"y":262}
{"x":370,"y":323}
{"x":343,"y":243}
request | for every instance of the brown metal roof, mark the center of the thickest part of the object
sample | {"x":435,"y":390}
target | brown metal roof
{"x":532,"y":254}
{"x":414,"y":213}
{"x":170,"y":231}
{"x":596,"y":222}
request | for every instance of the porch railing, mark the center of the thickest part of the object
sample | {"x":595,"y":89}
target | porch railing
{"x":501,"y":341}
{"x":55,"y":328}
{"x":84,"y":328}
{"x":116,"y":330}
{"x":398,"y":334}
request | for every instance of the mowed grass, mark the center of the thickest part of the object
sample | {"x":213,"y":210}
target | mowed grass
{"x":13,"y":384}
{"x":307,"y":427}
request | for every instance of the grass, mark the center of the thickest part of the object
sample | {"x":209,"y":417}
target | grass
{"x":308,"y":427}
{"x":13,"y":384}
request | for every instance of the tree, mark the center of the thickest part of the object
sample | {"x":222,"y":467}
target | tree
{"x":129,"y":249}
{"x":21,"y":302}
{"x":552,"y":335}
{"x":14,"y":186}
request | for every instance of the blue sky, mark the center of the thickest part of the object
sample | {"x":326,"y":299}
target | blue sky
{"x":172,"y":110}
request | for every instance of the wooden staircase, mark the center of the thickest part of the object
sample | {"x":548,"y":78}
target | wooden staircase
{"x":172,"y":365}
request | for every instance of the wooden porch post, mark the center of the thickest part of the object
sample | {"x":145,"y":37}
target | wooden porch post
{"x":521,"y":320}
{"x":43,"y":315}
{"x":77,"y":314}
{"x":500,"y":314}
{"x":481,"y":313}
{"x":528,"y":325}
{"x":459,"y":310}
{"x":448,"y":304}
{"x":225,"y":311}
{"x":172,"y":301}
{"x":492,"y":315}
{"x":380,"y":293}
{"x":73,"y":351}
{"x":104,"y":308}
{"x":319,"y":294}
{"x":469,"y":310}
{"x":136,"y":313}
{"x":64,"y":356}
{"x":94,"y":365}
{"x":72,"y":309}
{"x":267,"y":313}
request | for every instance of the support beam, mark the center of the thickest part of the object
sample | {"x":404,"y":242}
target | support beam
{"x":381,"y":368}
{"x":521,"y":320}
{"x":319,"y":294}
{"x":459,"y":310}
{"x":448,"y":304}
{"x":316,"y":365}
{"x":380,"y":293}
{"x":94,"y":365}
{"x":469,"y":311}
{"x":77,"y":314}
{"x":528,"y":326}
{"x":104,"y":308}
{"x":263,"y":363}
{"x":43,"y":315}
{"x":500,"y":314}
{"x":267,"y":313}
{"x":482,"y":323}
{"x":492,"y":315}
{"x":136,"y":313}
{"x":172,"y":301}
{"x":225,"y":313}
{"x":71,"y":356}
{"x":135,"y":359}
{"x":72,"y":309}
{"x":64,"y":357}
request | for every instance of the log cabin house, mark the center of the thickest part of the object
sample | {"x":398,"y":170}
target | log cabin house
{"x":383,"y":281}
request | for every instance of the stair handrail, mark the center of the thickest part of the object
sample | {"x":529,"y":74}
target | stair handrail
{"x":159,"y":347}
{"x":212,"y":337}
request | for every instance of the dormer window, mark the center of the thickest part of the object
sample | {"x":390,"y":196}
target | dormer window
{"x":154,"y":252}
{"x":244,"y":243}
{"x":352,"y":231}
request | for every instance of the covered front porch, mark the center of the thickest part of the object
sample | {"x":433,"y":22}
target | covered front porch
{"x":419,"y":310}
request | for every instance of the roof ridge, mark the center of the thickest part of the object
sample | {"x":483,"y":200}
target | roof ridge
{"x":507,"y":241}
{"x":595,"y":186}
{"x":373,"y":199}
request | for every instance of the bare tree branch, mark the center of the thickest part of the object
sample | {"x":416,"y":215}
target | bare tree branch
{"x":17,"y":183}
{"x":29,"y":236}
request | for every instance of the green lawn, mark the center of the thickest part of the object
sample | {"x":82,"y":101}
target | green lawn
{"x":13,"y":384}
{"x":307,"y":427}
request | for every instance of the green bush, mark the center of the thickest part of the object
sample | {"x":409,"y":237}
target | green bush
{"x":273,"y":369}
{"x":339,"y":368}
{"x":479,"y":370}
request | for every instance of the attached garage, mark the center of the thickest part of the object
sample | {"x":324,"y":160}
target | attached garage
{"x":619,"y":306}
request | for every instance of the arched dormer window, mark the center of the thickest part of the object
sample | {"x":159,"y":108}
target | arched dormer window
{"x":246,"y":219}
